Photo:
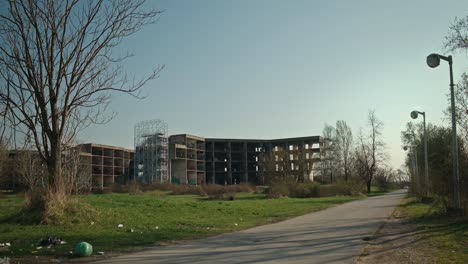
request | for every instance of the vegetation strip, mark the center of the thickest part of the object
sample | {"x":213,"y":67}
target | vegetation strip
{"x":148,"y":218}
{"x":446,"y":234}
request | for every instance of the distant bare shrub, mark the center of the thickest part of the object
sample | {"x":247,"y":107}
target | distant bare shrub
{"x":134,"y":188}
{"x":342,"y":188}
{"x":220,"y":192}
{"x":278,"y":189}
{"x":116,"y":188}
{"x":243,"y":187}
{"x":165,"y":186}
{"x":181,"y":189}
{"x":304,"y":190}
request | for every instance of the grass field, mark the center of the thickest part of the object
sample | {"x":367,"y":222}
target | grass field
{"x":149,"y":218}
{"x":446,"y":236}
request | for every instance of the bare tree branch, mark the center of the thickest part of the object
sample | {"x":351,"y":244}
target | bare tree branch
{"x":58,"y":71}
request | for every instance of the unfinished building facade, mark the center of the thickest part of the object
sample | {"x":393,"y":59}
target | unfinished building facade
{"x":187,"y":155}
{"x":196,"y":160}
{"x":107,"y":164}
{"x":151,"y":152}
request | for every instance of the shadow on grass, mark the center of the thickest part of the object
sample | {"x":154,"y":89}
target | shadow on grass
{"x":24,"y":217}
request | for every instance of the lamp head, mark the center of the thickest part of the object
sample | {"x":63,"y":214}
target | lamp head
{"x":433,"y":60}
{"x":414,"y":114}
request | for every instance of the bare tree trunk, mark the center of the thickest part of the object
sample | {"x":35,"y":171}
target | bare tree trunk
{"x":368,"y":184}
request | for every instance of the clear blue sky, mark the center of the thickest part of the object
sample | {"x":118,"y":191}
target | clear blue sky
{"x":274,"y":69}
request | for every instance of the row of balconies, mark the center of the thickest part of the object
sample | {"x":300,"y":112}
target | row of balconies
{"x":116,"y":171}
{"x":108,"y":161}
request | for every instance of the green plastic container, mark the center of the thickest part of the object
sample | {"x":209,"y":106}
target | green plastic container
{"x":83,"y":249}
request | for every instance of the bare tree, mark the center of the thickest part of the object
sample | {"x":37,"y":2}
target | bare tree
{"x":344,"y":143}
{"x":370,"y":149}
{"x":282,"y":166}
{"x":3,"y":163}
{"x":457,"y":37}
{"x":76,"y":172}
{"x":30,"y":169}
{"x":57,"y":69}
{"x":328,"y":152}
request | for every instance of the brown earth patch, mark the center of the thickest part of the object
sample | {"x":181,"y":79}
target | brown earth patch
{"x":397,"y":241}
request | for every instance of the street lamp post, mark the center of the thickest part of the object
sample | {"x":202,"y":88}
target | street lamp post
{"x":433,"y":61}
{"x":414,"y":115}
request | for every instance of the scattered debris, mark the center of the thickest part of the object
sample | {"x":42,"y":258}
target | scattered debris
{"x":157,"y":227}
{"x":51,"y":241}
{"x":208,"y":228}
{"x":5,"y":244}
{"x":5,"y":260}
{"x":235,"y":224}
{"x":38,"y":247}
{"x":8,"y":244}
{"x":131,"y":230}
{"x":120,"y":225}
{"x":92,"y":223}
{"x":101,"y":253}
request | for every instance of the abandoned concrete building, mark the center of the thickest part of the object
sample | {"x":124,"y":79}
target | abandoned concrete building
{"x":106,"y":164}
{"x":189,"y":159}
{"x":197,"y":160}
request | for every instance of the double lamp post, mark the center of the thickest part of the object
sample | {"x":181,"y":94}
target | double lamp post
{"x":414,"y":114}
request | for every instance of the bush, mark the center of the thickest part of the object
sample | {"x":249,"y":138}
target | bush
{"x":351,"y":188}
{"x":278,"y":189}
{"x":237,"y":188}
{"x":116,"y":188}
{"x":214,"y":191}
{"x":304,"y":190}
{"x":186,"y":189}
{"x":42,"y":207}
{"x":69,"y":211}
{"x":165,"y":186}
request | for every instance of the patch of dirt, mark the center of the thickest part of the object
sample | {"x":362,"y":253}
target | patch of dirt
{"x":397,"y":241}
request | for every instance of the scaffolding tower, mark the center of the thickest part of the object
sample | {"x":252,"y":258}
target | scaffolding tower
{"x":151,"y":151}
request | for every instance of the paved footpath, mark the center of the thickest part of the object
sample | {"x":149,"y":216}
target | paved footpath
{"x":334,"y":235}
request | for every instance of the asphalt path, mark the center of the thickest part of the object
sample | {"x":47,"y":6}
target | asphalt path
{"x":334,"y":235}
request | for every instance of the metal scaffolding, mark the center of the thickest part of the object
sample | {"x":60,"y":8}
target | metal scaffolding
{"x":151,"y":151}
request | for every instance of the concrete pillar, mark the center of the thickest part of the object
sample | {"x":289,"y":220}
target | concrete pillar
{"x":229,"y":168}
{"x":245,"y":162}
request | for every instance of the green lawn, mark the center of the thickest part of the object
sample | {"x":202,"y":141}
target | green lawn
{"x":153,"y":217}
{"x":446,"y":236}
